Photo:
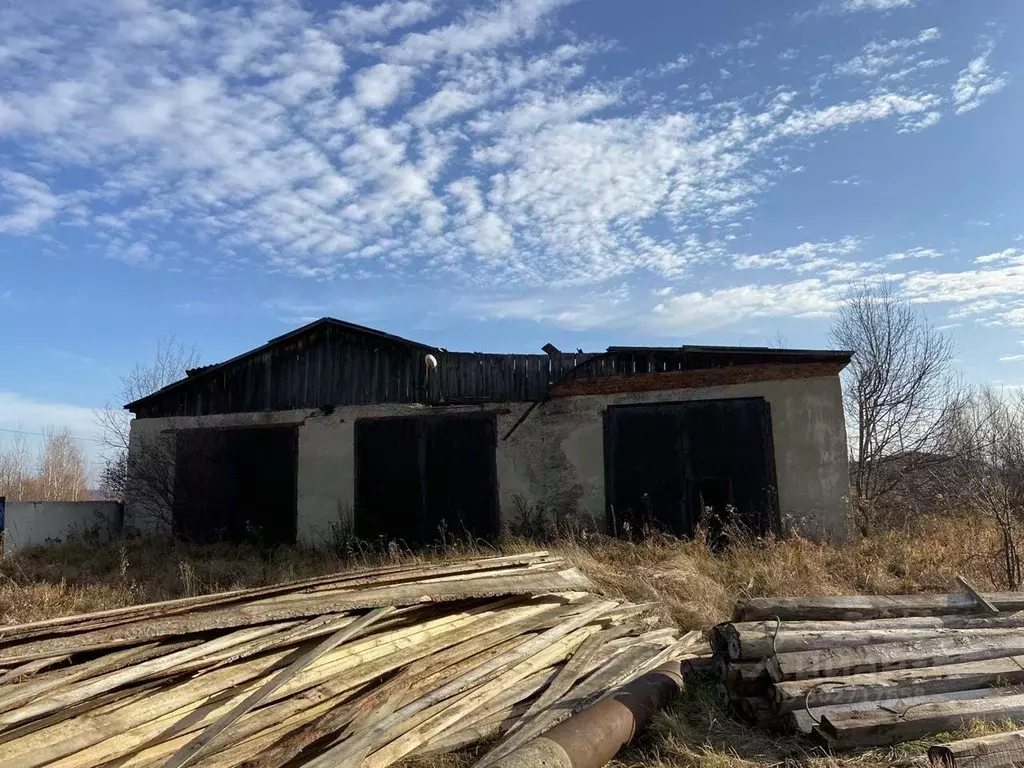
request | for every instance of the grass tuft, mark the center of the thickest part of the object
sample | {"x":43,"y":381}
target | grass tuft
{"x":694,"y":587}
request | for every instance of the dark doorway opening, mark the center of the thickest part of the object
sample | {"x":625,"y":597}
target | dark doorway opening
{"x":237,"y":484}
{"x":421,"y":478}
{"x":676,"y":466}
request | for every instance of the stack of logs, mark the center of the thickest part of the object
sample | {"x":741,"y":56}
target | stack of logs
{"x":356,"y":669}
{"x":856,"y":672}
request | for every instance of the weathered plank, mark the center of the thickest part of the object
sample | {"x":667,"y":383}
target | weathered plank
{"x":349,"y":580}
{"x":348,"y":630}
{"x":289,"y":607}
{"x":804,"y":721}
{"x":995,"y":751}
{"x":880,"y":727}
{"x":751,"y":646}
{"x":879,"y":686}
{"x":864,"y":607}
{"x":879,"y":658}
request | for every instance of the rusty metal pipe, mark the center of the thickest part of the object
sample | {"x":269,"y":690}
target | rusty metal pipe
{"x":591,"y":738}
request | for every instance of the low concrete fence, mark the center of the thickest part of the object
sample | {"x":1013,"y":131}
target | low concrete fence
{"x":38,"y":523}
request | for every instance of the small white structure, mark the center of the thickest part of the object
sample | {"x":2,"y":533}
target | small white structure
{"x":38,"y":523}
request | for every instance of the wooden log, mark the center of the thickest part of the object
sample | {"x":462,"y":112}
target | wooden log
{"x":804,"y":721}
{"x":699,"y":666}
{"x":879,"y":658}
{"x":755,"y":710}
{"x":995,"y":751}
{"x":864,"y":607}
{"x":970,"y":621}
{"x":749,"y":646}
{"x":880,"y":727}
{"x":879,"y":686}
{"x":744,"y":678}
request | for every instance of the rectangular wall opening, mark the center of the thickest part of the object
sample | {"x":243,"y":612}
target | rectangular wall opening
{"x":676,"y":466}
{"x":419,"y":479}
{"x":236,"y":484}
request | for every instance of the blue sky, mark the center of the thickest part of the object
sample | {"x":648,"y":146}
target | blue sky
{"x":497,"y":175}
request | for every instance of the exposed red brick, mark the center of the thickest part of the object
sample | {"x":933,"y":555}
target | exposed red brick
{"x":709,"y":377}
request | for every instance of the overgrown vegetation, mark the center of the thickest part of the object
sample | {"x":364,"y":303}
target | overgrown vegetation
{"x":694,"y":587}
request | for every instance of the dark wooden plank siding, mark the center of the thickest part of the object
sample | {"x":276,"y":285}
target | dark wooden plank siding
{"x":337,"y":365}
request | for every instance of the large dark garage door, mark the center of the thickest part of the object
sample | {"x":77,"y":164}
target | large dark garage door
{"x":675,"y":465}
{"x":236,"y":484}
{"x":417,"y":477}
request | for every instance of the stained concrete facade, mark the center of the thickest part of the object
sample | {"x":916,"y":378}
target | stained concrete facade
{"x":39,"y":523}
{"x":555,"y":458}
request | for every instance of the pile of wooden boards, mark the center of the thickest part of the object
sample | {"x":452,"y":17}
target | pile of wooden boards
{"x":351,"y":669}
{"x":871,"y":671}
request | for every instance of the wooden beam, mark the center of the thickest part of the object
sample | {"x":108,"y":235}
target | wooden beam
{"x":886,"y":656}
{"x":879,"y":686}
{"x":979,"y":598}
{"x":995,"y":751}
{"x":865,"y":607}
{"x":200,"y":743}
{"x":880,"y":727}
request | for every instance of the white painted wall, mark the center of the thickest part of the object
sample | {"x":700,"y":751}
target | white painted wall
{"x":38,"y":523}
{"x":556,"y":457}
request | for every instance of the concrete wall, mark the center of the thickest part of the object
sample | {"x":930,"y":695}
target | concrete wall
{"x":556,"y":457}
{"x":37,"y":523}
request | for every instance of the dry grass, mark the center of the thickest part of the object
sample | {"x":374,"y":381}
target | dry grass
{"x":694,"y":587}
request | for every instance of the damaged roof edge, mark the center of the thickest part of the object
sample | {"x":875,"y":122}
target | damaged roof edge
{"x":203,"y":370}
{"x":830,"y":354}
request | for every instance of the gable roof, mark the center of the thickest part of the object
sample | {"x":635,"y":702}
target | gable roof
{"x":200,"y":372}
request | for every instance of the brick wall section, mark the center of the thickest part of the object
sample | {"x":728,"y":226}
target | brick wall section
{"x":709,"y":377}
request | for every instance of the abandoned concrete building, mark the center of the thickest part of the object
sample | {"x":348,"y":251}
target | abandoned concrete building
{"x":339,"y":428}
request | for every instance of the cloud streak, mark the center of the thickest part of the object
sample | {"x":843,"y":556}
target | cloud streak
{"x":977,"y":82}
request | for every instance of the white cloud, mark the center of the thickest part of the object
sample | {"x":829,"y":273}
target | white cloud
{"x":486,"y":145}
{"x":878,"y":107}
{"x":381,"y":84}
{"x":1009,"y":254}
{"x":876,"y":5}
{"x":1011,"y":358}
{"x":29,"y":203}
{"x":877,"y":58}
{"x":702,"y":311}
{"x":479,"y":30}
{"x":356,"y":21}
{"x":977,"y":82}
{"x":915,"y":253}
{"x":805,"y":257}
{"x":26,"y":414}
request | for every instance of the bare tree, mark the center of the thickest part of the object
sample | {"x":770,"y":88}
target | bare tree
{"x":898,"y":393}
{"x":171,"y":360}
{"x":58,"y":473}
{"x":984,"y":443}
{"x":62,"y":468}
{"x":16,"y":473}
